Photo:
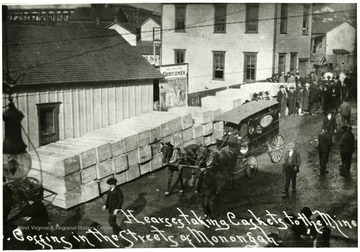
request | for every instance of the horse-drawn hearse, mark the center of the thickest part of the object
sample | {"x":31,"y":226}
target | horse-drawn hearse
{"x":252,"y":129}
{"x":249,"y":130}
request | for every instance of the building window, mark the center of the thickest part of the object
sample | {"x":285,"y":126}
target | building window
{"x":250,"y":66}
{"x":179,"y":56}
{"x":281,"y":64}
{"x":220,"y":18}
{"x":180,"y":14}
{"x":252,"y":18}
{"x":283,"y":18}
{"x":293,"y":62}
{"x":219,"y":65}
{"x":48,"y":115}
{"x":306,"y":16}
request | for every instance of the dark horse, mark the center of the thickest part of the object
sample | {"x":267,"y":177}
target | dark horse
{"x":176,"y":158}
{"x":223,"y":160}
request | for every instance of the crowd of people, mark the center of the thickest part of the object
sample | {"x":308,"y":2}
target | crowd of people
{"x":307,"y":96}
{"x":311,"y":94}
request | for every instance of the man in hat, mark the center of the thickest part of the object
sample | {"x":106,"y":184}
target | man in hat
{"x":291,"y":101}
{"x":326,"y":99}
{"x":347,"y":147}
{"x":207,"y":187}
{"x":307,"y":232}
{"x":36,"y":220}
{"x":329,"y":124}
{"x":291,"y":166}
{"x":282,"y":99}
{"x":324,"y":147}
{"x":114,"y":202}
{"x":299,"y":98}
{"x":305,"y":98}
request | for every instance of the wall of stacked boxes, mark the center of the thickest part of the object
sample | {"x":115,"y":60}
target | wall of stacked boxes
{"x":77,"y":169}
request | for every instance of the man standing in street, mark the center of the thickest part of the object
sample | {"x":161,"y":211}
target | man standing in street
{"x":329,"y":124}
{"x":324,"y":147}
{"x":291,"y":166}
{"x":292,"y":101}
{"x":305,"y":98}
{"x":347,"y":147}
{"x":282,"y":99}
{"x":345,"y":112}
{"x":207,"y":187}
{"x":113,"y":203}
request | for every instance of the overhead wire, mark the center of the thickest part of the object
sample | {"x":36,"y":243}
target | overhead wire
{"x":195,"y":25}
{"x":163,"y":30}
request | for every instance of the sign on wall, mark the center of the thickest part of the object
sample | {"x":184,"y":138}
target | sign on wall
{"x":174,"y":86}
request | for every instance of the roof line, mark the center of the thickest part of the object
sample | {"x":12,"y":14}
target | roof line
{"x":148,"y":20}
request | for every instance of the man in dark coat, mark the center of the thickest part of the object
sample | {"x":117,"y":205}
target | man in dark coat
{"x":291,"y":166}
{"x":313,"y":99}
{"x":326,"y":99}
{"x":34,"y":213}
{"x":299,"y":98}
{"x":335,"y":96}
{"x":324,"y":148}
{"x":329,"y":123}
{"x":347,"y":147}
{"x":35,"y":221}
{"x":323,"y":237}
{"x":114,"y":202}
{"x":207,"y":187}
{"x":305,"y":98}
{"x":291,"y":101}
{"x":307,"y":232}
{"x":282,"y":99}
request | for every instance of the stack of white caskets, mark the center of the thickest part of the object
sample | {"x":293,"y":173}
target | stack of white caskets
{"x":233,"y":97}
{"x":205,"y":130}
{"x":76,"y":170}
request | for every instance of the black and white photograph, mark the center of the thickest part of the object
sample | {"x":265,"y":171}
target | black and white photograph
{"x":149,"y":124}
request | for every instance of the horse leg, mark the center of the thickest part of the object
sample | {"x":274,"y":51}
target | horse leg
{"x":169,"y":181}
{"x":181,"y":180}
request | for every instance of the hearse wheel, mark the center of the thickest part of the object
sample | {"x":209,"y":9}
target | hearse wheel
{"x":251,"y":167}
{"x":276,"y":148}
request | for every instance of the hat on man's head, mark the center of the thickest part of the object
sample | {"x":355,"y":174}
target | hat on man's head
{"x":281,"y":86}
{"x":292,"y":87}
{"x":111,"y":181}
{"x":307,"y":84}
{"x":290,"y":145}
{"x":306,"y":211}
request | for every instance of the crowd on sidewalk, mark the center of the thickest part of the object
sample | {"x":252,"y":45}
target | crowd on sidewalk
{"x":308,"y":95}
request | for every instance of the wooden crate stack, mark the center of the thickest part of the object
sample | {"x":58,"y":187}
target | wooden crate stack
{"x":77,"y":169}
